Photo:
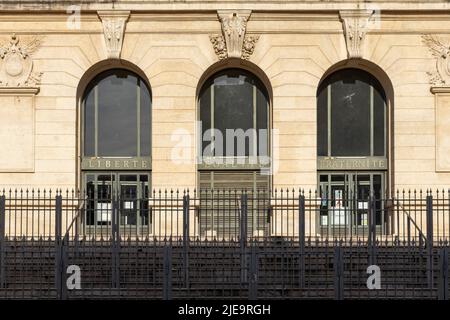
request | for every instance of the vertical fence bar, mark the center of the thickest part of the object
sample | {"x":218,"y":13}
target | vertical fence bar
{"x":2,"y":240}
{"x":429,"y":207}
{"x":253,"y":286}
{"x":186,"y":239}
{"x":408,"y":230}
{"x":243,"y":237}
{"x":167,"y":266}
{"x":443,"y":274}
{"x":115,"y":242}
{"x":338,"y":273}
{"x":301,"y":240}
{"x":372,"y":230}
{"x":58,"y":246}
{"x":64,"y":265}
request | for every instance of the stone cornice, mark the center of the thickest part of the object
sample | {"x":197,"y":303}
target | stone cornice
{"x":440,"y":90}
{"x":200,"y":5}
{"x":19,"y":91}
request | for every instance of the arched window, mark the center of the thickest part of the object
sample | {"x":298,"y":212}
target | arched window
{"x":117,"y":113}
{"x":352,"y":144}
{"x":351,"y":115}
{"x":234,"y":114}
{"x":234,"y":105}
{"x":116,"y":151}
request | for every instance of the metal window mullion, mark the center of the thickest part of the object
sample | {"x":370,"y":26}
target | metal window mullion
{"x":96,"y":121}
{"x":371,"y":121}
{"x":268,"y":130}
{"x":213,"y":147}
{"x":138,"y":118}
{"x":329,"y":120}
{"x":385,"y":129}
{"x":95,"y":202}
{"x":83,"y":128}
{"x":329,"y":199}
{"x":255,"y":141}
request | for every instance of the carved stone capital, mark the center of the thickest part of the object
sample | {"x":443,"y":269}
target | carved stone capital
{"x":440,"y":49}
{"x":16,"y":64}
{"x":233,"y":43}
{"x":355,"y":24}
{"x":114,"y":31}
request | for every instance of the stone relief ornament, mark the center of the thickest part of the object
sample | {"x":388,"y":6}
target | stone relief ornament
{"x":16,"y":65}
{"x":355,"y":24}
{"x":249,"y":46}
{"x":233,"y":43}
{"x":441,"y":51}
{"x":234,"y":25}
{"x":113,"y":31}
{"x":219,"y":46}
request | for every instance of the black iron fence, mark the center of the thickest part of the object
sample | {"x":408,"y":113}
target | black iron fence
{"x":218,"y":215}
{"x":223,"y":244}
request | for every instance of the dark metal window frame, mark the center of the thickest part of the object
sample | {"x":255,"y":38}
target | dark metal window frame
{"x":350,"y":184}
{"x":231,"y":163}
{"x":372,"y":158}
{"x":93,"y":85}
{"x":115,"y":183}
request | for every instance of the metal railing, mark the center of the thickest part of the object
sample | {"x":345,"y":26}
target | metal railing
{"x":223,"y":244}
{"x":208,"y":215}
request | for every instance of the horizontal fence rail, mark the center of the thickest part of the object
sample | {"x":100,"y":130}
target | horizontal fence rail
{"x":283,"y":244}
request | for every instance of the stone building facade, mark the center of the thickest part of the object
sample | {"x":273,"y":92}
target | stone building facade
{"x":52,"y":53}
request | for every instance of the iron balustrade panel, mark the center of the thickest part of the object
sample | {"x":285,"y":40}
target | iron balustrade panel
{"x":142,"y":269}
{"x":28,"y":269}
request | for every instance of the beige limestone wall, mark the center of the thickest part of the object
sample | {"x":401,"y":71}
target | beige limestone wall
{"x":17,"y":130}
{"x":295,"y":50}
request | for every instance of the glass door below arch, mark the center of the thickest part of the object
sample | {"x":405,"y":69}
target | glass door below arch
{"x":124,"y":194}
{"x":345,"y":201}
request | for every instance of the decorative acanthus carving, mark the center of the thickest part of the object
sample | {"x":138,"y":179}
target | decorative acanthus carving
{"x":234,"y":25}
{"x":16,"y":65}
{"x":249,"y":46}
{"x":114,"y":31}
{"x":233,"y":43}
{"x":219,"y":45}
{"x":355,"y":24}
{"x":441,"y":51}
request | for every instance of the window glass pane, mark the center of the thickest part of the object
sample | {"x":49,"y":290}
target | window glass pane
{"x":124,"y":178}
{"x":379,"y":115}
{"x":363,"y":190}
{"x":89,"y":125}
{"x":90,"y":193}
{"x":146,"y":134}
{"x":205,"y":114}
{"x":350,"y":113}
{"x":322,"y":122}
{"x":104,"y":187}
{"x":117,"y":118}
{"x":262,"y":122}
{"x":117,"y":124}
{"x":233,"y":109}
{"x":235,"y":94}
